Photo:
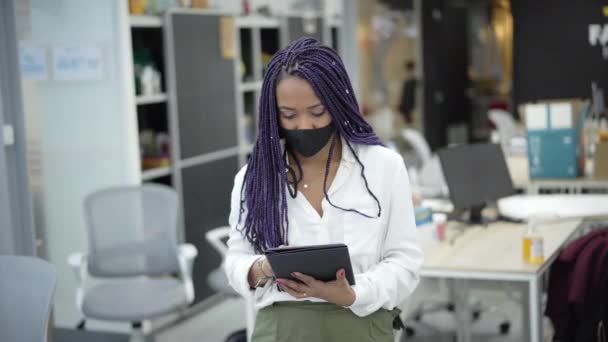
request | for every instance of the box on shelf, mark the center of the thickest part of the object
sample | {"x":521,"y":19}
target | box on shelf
{"x":554,"y":141}
{"x":600,"y":170}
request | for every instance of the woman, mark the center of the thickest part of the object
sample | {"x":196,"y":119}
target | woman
{"x":318,"y":174}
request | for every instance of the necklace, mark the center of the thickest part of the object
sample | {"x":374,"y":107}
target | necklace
{"x":305,"y":184}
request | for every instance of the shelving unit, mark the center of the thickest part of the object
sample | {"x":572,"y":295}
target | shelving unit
{"x":294,"y":27}
{"x":145,"y":21}
{"x":250,"y":86}
{"x":159,"y":172}
{"x":257,"y":21}
{"x":256,"y":36}
{"x":152,"y":116}
{"x":332,"y":33}
{"x":151,"y":99}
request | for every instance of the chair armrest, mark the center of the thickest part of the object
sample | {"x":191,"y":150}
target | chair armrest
{"x":215,"y":236}
{"x":78,"y":263}
{"x":186,"y":253}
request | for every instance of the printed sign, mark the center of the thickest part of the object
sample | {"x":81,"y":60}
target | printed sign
{"x":32,"y":62}
{"x":77,"y":63}
{"x":598,"y":35}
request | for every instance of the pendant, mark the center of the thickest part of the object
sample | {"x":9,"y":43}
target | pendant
{"x":305,"y":186}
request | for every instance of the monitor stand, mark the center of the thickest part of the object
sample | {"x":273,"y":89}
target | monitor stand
{"x":476,"y":217}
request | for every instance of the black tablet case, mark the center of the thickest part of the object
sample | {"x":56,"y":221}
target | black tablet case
{"x":320,"y":262}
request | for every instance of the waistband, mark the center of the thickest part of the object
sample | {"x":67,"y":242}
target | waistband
{"x":306,"y":304}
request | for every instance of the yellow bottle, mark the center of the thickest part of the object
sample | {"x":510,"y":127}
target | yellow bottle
{"x":533,"y":245}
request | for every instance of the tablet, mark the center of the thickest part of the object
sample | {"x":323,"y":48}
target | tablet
{"x":320,"y":262}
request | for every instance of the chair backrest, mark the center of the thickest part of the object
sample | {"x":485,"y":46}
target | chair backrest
{"x":505,"y":124}
{"x":419,"y":144}
{"x":27,"y":286}
{"x":132,"y":231}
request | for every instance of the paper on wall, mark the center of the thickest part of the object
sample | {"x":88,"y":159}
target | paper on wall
{"x":77,"y":63}
{"x":32,"y":62}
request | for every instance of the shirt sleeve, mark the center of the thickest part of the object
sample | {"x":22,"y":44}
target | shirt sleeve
{"x":240,"y":256}
{"x":395,"y":277}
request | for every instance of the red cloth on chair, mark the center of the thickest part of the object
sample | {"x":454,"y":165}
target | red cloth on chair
{"x":575,"y":289}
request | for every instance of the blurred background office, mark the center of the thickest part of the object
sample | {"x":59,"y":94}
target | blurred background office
{"x":124,"y":123}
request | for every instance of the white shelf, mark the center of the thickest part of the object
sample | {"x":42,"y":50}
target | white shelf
{"x":250,"y":86}
{"x":150,"y":99}
{"x":303,"y":13}
{"x":334,"y":22}
{"x":145,"y":21}
{"x":257,"y":21}
{"x":155,"y":173}
{"x":247,"y":148}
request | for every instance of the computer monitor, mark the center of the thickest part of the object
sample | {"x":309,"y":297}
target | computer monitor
{"x":476,"y":175}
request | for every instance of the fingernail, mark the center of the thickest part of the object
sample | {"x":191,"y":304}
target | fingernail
{"x":280,"y":281}
{"x":295,"y":274}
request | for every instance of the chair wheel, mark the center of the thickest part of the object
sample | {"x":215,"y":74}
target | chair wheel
{"x":418,"y":318}
{"x":476,"y":314}
{"x":450,"y":307}
{"x":409,"y":332}
{"x":504,"y":328}
{"x":237,"y":336}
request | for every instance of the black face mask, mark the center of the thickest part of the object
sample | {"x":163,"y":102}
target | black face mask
{"x":308,"y":142}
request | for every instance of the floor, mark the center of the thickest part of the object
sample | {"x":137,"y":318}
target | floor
{"x":212,"y":326}
{"x":228,"y":317}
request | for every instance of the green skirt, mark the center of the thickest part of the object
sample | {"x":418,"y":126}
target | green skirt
{"x":321,"y":322}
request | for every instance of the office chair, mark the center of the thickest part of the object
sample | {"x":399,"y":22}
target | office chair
{"x":27,"y":286}
{"x":430,"y":175}
{"x":511,"y":139}
{"x":140,"y":271}
{"x":218,"y":281}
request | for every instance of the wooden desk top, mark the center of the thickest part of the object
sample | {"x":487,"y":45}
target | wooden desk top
{"x":518,"y":168}
{"x":495,"y":249}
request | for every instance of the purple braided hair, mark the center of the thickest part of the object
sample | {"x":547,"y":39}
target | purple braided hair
{"x":265,"y":186}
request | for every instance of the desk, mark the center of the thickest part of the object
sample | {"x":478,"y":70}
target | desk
{"x":564,"y":206}
{"x":518,"y":167}
{"x":495,"y":254}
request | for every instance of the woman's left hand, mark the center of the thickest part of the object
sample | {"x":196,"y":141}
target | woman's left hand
{"x":337,"y":291}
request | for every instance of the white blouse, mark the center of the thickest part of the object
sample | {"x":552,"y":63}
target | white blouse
{"x":384,"y":252}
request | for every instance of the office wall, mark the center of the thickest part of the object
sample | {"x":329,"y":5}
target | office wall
{"x":81,"y":134}
{"x":553,"y":57}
